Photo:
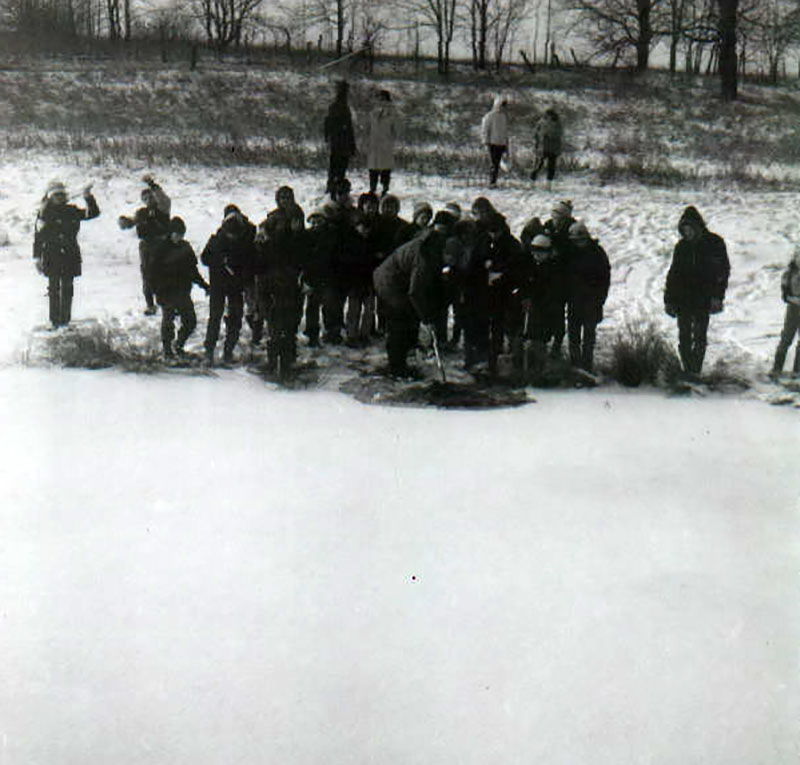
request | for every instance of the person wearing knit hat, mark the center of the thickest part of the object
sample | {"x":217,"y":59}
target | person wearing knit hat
{"x":173,"y":272}
{"x":491,"y":278}
{"x":151,"y":222}
{"x":695,"y":287}
{"x":454,"y":209}
{"x":281,"y":245}
{"x":360,"y":260}
{"x":317,"y":276}
{"x":229,"y":255}
{"x":557,"y":228}
{"x":56,"y":252}
{"x":422,"y":214}
{"x":589,"y":277}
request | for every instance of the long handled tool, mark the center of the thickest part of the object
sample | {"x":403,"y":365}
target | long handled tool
{"x":437,"y":355}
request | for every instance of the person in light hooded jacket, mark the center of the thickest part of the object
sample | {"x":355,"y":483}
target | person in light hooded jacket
{"x":383,"y":129}
{"x":494,"y":134}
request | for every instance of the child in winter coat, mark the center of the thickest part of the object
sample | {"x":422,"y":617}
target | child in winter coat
{"x":494,"y":133}
{"x":229,"y":255}
{"x":282,"y":246}
{"x":152,"y":228}
{"x":55,"y":247}
{"x":790,"y":291}
{"x":173,"y":272}
{"x":588,"y":282}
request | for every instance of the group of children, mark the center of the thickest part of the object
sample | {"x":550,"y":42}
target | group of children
{"x":354,"y":271}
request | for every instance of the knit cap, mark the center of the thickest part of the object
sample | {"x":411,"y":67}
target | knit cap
{"x":444,"y":220}
{"x":454,"y":209}
{"x":55,"y":187}
{"x":562,"y":209}
{"x":420,"y":207}
{"x":541,"y":242}
{"x":578,"y":231}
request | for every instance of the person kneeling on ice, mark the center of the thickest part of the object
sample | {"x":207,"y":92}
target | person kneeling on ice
{"x":790,"y":290}
{"x":174,"y":271}
{"x":695,"y":288}
{"x":229,"y":255}
{"x":589,"y":278}
{"x":410,"y":285}
{"x":55,"y":247}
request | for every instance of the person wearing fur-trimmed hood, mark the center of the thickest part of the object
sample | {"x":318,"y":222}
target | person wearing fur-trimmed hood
{"x":695,"y":286}
{"x":494,"y":134}
{"x":55,"y":247}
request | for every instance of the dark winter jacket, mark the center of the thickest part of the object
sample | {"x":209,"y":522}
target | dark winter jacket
{"x":790,"y":283}
{"x":361,"y":257}
{"x":230,"y":255}
{"x":589,"y":279}
{"x":700,"y":268}
{"x":317,"y":266}
{"x":410,"y":279}
{"x":346,"y":243}
{"x":174,"y":271}
{"x":392,"y":232}
{"x":55,"y":241}
{"x":495,"y":270}
{"x":282,"y":249}
{"x":548,"y":135}
{"x":338,"y":128}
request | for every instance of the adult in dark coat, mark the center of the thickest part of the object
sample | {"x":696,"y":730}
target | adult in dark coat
{"x":339,"y":135}
{"x":695,"y":288}
{"x":55,"y":247}
{"x":229,"y":255}
{"x":152,"y":228}
{"x":588,"y":279}
{"x":173,"y":272}
{"x":282,"y":243}
{"x":409,"y":284}
{"x":457,"y":258}
{"x":790,"y":292}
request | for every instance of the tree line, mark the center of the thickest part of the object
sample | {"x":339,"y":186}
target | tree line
{"x":729,"y":37}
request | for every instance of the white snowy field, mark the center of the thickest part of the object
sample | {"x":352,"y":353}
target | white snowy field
{"x":206,"y":569}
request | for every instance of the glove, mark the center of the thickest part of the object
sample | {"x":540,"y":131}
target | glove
{"x":715,"y":306}
{"x":125,"y":222}
{"x":39,"y":267}
{"x":671,"y":309}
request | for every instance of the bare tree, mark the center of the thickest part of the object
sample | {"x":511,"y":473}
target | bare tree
{"x":619,"y":28}
{"x":440,"y":17}
{"x":771,"y":27}
{"x":225,"y":21}
{"x":332,"y":14}
{"x":508,"y":16}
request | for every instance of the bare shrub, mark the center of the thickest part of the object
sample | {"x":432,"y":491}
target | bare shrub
{"x":641,"y":353}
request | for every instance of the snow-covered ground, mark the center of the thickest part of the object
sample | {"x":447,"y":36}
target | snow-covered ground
{"x":206,"y":569}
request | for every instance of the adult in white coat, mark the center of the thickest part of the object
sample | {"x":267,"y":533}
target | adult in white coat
{"x":383,"y":129}
{"x":494,"y":133}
